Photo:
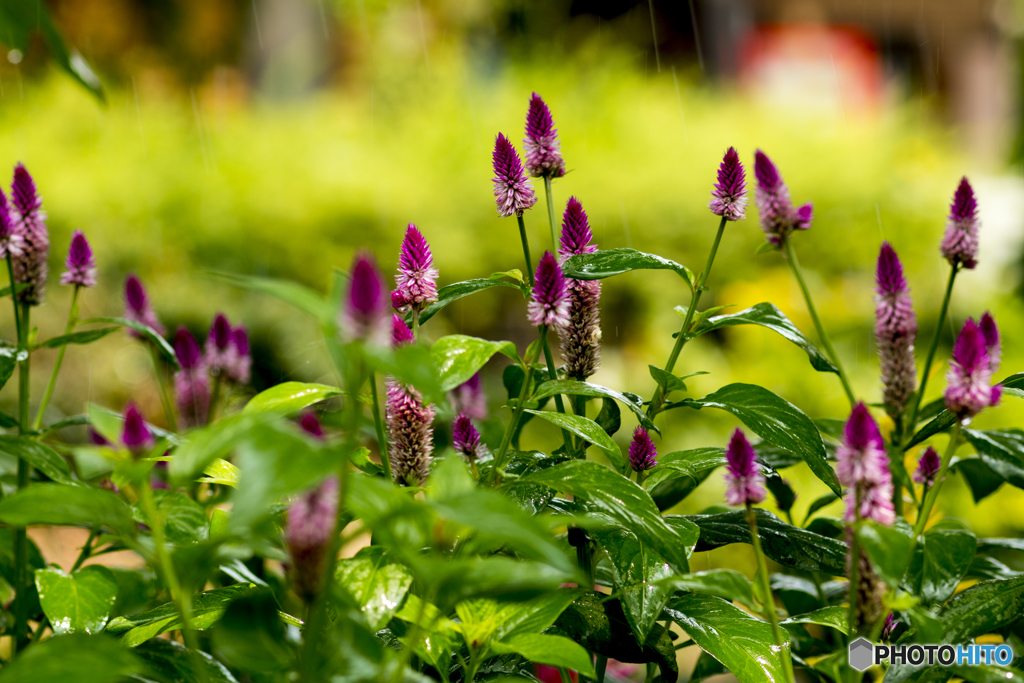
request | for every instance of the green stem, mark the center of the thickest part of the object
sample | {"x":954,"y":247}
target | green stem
{"x":929,"y":499}
{"x":378,"y":424}
{"x":564,"y":675}
{"x":526,"y":247}
{"x":72,"y":319}
{"x":86,"y":549}
{"x":684,"y":331}
{"x":912,"y":422}
{"x":854,"y":577}
{"x":766,"y":588}
{"x":517,"y":414}
{"x":794,"y":264}
{"x":551,"y":213}
{"x":601,"y":666}
{"x":165,"y":399}
{"x":214,"y":399}
{"x":21,"y":572}
{"x":553,"y":373}
{"x":415,"y":323}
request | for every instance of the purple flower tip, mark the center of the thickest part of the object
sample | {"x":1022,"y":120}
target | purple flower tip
{"x":11,"y":241}
{"x":309,"y":423}
{"x":729,"y":198}
{"x":186,"y":349}
{"x":960,"y":242}
{"x":765,"y":171}
{"x":927,"y":467}
{"x":576,"y":235}
{"x":861,"y":429}
{"x":889,"y":272}
{"x":804,"y":216}
{"x":512,"y":190}
{"x":220,"y":332}
{"x":890,"y":625}
{"x":400,"y":332}
{"x":469,"y":398}
{"x":239,"y":366}
{"x":777,"y":214}
{"x":138,"y":308}
{"x":136,"y":435}
{"x":863,"y":467}
{"x":80,"y":264}
{"x":970,"y":351}
{"x":23,"y":191}
{"x":307,"y":534}
{"x":465,"y":437}
{"x":543,"y":153}
{"x":365,"y":314}
{"x":240,"y":338}
{"x":965,"y":206}
{"x":550,"y":303}
{"x":968,"y":380}
{"x":744,"y":481}
{"x":416,"y":281}
{"x":642,"y":452}
{"x":990,"y":331}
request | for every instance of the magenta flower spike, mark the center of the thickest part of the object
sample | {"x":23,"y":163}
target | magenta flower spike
{"x":410,"y":434}
{"x":401,"y":335}
{"x":11,"y":241}
{"x":778,"y":217}
{"x":416,"y":281}
{"x":365,"y":313}
{"x":241,"y":368}
{"x":968,"y":381}
{"x":990,"y":331}
{"x":890,"y":626}
{"x":895,"y":331}
{"x":220,"y":352}
{"x":191,"y":383}
{"x":729,"y":198}
{"x":744,"y":480}
{"x":80,"y":264}
{"x":136,"y":436}
{"x":927,"y":467}
{"x":138,"y":307}
{"x":513,"y":192}
{"x":307,"y":533}
{"x":469,"y":398}
{"x":465,"y":437}
{"x":550,"y":303}
{"x":642,"y":452}
{"x":863,"y":467}
{"x":541,"y":146}
{"x":30,"y":267}
{"x":960,"y":243}
{"x":576,"y":237}
{"x":581,"y":338}
{"x":309,"y":423}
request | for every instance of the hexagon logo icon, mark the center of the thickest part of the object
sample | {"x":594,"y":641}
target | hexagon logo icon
{"x":861,"y":654}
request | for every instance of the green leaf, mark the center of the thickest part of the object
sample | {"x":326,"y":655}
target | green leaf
{"x":666,"y":380}
{"x":86,"y":337}
{"x":146,"y":331}
{"x":411,"y":364}
{"x":981,"y":479}
{"x":1002,"y":450}
{"x":40,"y":456}
{"x":290,"y":397}
{"x":67,"y":505}
{"x":79,"y":603}
{"x":788,"y":545}
{"x":456,"y":579}
{"x":942,"y":422}
{"x":458,"y":357}
{"x":110,"y":424}
{"x":77,"y":657}
{"x":769,"y":316}
{"x":207,"y":609}
{"x":606,"y":263}
{"x":834,"y":616}
{"x":723,"y":583}
{"x":377,"y":582}
{"x":185,"y":521}
{"x":222,"y":473}
{"x":695,"y":464}
{"x":775,"y":420}
{"x":250,"y":636}
{"x":482,"y":621}
{"x":292,"y":293}
{"x":614,"y":496}
{"x":987,"y":674}
{"x":209,"y":443}
{"x":888,"y":548}
{"x":610,"y":418}
{"x":6,"y":291}
{"x":454,"y":292}
{"x":940,"y":561}
{"x":175,"y":663}
{"x":9,"y":359}
{"x":551,"y":650}
{"x":573,"y":388}
{"x":743,"y":644}
{"x":587,"y":429}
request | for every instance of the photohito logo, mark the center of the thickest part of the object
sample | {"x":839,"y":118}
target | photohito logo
{"x":864,"y":654}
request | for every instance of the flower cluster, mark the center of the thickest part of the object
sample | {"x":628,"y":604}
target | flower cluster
{"x":743,"y":479}
{"x":30,"y":266}
{"x":80,"y":264}
{"x":862,"y":466}
{"x":541,"y":145}
{"x":975,"y":359}
{"x":416,"y":281}
{"x":138,"y":307}
{"x":192,"y":381}
{"x":895,"y":329}
{"x":550,"y":303}
{"x":513,"y":192}
{"x":642,"y":452}
{"x":960,"y":243}
{"x":729,"y":198}
{"x":581,"y":337}
{"x":226,"y":352}
{"x":409,"y":422}
{"x":927,"y":467}
{"x":365,"y":313}
{"x":11,"y":241}
{"x":778,"y":216}
{"x":465,"y":437}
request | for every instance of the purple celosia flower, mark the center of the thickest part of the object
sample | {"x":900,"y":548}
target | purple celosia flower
{"x":11,"y":241}
{"x":30,"y":267}
{"x":890,"y":625}
{"x":550,"y":303}
{"x":465,"y":437}
{"x":729,"y":198}
{"x":240,"y":369}
{"x":895,"y":330}
{"x":778,"y":217}
{"x":309,"y":423}
{"x":960,"y":243}
{"x":136,"y":436}
{"x":410,"y":434}
{"x":743,"y":479}
{"x":416,"y":282}
{"x":513,"y":192}
{"x":220,"y":350}
{"x":80,"y":264}
{"x":191,"y":383}
{"x":642,"y":453}
{"x":992,"y":343}
{"x":469,"y":398}
{"x":927,"y":467}
{"x":401,"y":335}
{"x":138,"y":308}
{"x":863,"y":467}
{"x":968,"y":380}
{"x":541,"y":146}
{"x":581,"y":338}
{"x":307,"y":533}
{"x":364,"y":315}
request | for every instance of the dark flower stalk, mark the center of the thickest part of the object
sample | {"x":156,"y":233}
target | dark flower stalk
{"x":409,"y":423}
{"x":581,"y":338}
{"x":895,"y":329}
{"x":543,"y":153}
{"x":416,"y":281}
{"x":191,"y":383}
{"x":549,"y":307}
{"x":512,"y":190}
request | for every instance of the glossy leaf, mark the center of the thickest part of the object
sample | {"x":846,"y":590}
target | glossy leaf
{"x":173,"y":662}
{"x":607,"y":263}
{"x":215,"y":441}
{"x":9,"y":359}
{"x":1002,"y":450}
{"x":723,"y":583}
{"x":86,"y":337}
{"x":67,"y":505}
{"x":39,"y":455}
{"x":291,"y":293}
{"x":77,"y":657}
{"x":77,"y":603}
{"x":146,"y":331}
{"x":587,"y":429}
{"x":185,"y":521}
{"x":769,"y":316}
{"x":666,"y":380}
{"x":551,"y":650}
{"x":834,"y":616}
{"x":290,"y":397}
{"x":377,"y":583}
{"x":574,"y":388}
{"x":458,"y":357}
{"x":888,"y":548}
{"x":942,"y":422}
{"x":941,"y":559}
{"x":222,"y":473}
{"x":453,"y":292}
{"x":694,"y":464}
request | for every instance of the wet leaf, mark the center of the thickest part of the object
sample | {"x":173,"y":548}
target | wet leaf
{"x":77,"y":603}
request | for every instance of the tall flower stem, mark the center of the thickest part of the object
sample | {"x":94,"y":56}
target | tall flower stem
{"x":165,"y":398}
{"x":551,"y":213}
{"x":794,"y":264}
{"x":517,"y":414}
{"x":553,"y":373}
{"x":933,"y":493}
{"x":21,"y":578}
{"x":526,"y":246}
{"x":72,"y":320}
{"x":684,"y":331}
{"x":378,"y":424}
{"x":854,"y":582}
{"x":930,"y":358}
{"x":766,"y":588}
{"x":214,"y":399}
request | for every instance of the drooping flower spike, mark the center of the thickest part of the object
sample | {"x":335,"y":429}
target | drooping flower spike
{"x":541,"y":144}
{"x":465,"y":437}
{"x":927,"y":467}
{"x":138,"y":307}
{"x":729,"y":198}
{"x":744,"y":480}
{"x":550,"y":303}
{"x":241,"y":369}
{"x":136,"y":435}
{"x":307,"y":533}
{"x":11,"y":241}
{"x":643,"y":455}
{"x":469,"y":398}
{"x":581,"y":338}
{"x":30,"y":266}
{"x":513,"y":192}
{"x":863,"y":468}
{"x":778,"y":216}
{"x":960,"y":243}
{"x":895,"y":330}
{"x":80,"y":264}
{"x":364,"y":315}
{"x":191,"y":383}
{"x":969,"y":378}
{"x":416,"y":281}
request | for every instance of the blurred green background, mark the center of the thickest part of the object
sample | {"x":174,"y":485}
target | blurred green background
{"x":277,"y":137}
